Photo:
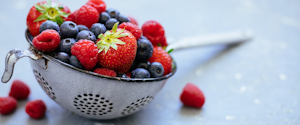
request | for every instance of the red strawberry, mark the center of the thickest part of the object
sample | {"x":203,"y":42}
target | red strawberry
{"x":105,"y":71}
{"x":160,"y":55}
{"x":86,"y":52}
{"x":43,"y":11}
{"x":87,"y":15}
{"x":153,"y":31}
{"x":97,"y":4}
{"x":35,"y":109}
{"x":117,"y":49}
{"x":19,"y":90}
{"x":47,"y":41}
{"x":128,"y":74}
{"x":72,"y":17}
{"x":134,"y":29}
{"x":132,"y":20}
{"x":7,"y":105}
{"x":192,"y":96}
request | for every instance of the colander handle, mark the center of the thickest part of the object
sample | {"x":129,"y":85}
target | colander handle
{"x":12,"y":57}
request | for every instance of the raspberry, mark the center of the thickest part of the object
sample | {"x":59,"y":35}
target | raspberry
{"x":47,"y":41}
{"x":161,"y":56}
{"x":19,"y":90}
{"x":87,"y":15}
{"x":134,"y":29}
{"x":106,"y":71}
{"x":153,"y":31}
{"x":7,"y":105}
{"x":132,"y":20}
{"x":86,"y":52}
{"x":97,"y":4}
{"x":192,"y":96}
{"x":164,"y":42}
{"x":72,"y":17}
{"x":35,"y":109}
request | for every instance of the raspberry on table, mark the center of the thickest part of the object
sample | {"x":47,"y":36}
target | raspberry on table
{"x":154,"y":31}
{"x":46,"y":41}
{"x":86,"y":52}
{"x":192,"y":96}
{"x":7,"y":105}
{"x":35,"y":109}
{"x":134,"y":29}
{"x":105,"y":71}
{"x":19,"y":90}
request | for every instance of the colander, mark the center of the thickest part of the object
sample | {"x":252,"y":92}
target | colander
{"x":93,"y":95}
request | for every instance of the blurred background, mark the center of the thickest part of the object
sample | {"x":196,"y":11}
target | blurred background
{"x":255,"y":83}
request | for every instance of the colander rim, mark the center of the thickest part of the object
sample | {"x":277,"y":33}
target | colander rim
{"x":139,"y":80}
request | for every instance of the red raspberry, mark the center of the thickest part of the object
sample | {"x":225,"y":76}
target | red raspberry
{"x":7,"y":105}
{"x":128,"y":74}
{"x":72,"y":17}
{"x":35,"y":109}
{"x":86,"y":52}
{"x":97,"y":4}
{"x":134,"y":29}
{"x":87,"y":15}
{"x":47,"y":41}
{"x":161,"y":56}
{"x":132,"y":20}
{"x":105,"y":71}
{"x":19,"y":90}
{"x":153,"y":31}
{"x":164,"y":42}
{"x":192,"y":96}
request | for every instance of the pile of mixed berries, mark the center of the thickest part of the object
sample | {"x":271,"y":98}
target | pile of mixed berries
{"x":100,"y":40}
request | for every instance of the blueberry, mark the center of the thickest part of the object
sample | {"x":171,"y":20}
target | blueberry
{"x":156,"y":69}
{"x":68,"y":29}
{"x":144,"y":49}
{"x":113,"y":13}
{"x":143,"y":37}
{"x":123,"y":18}
{"x":82,"y":27}
{"x":66,"y":44}
{"x":122,"y":75}
{"x":75,"y":62}
{"x":98,"y":28}
{"x":84,"y":34}
{"x":140,"y":73}
{"x":49,"y":25}
{"x":104,"y":16}
{"x":139,"y":64}
{"x":63,"y":57}
{"x":110,"y":23}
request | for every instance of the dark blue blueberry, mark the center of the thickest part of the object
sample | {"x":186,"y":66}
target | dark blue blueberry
{"x":113,"y":13}
{"x":144,"y":50}
{"x":110,"y":23}
{"x":122,"y":18}
{"x":63,"y":57}
{"x":75,"y":62}
{"x":82,"y":27}
{"x":122,"y":75}
{"x":143,"y":37}
{"x":66,"y":44}
{"x":68,"y":29}
{"x":104,"y":16}
{"x":140,"y":73}
{"x":98,"y":28}
{"x":156,"y":69}
{"x":139,"y":64}
{"x":49,"y":25}
{"x":84,"y":34}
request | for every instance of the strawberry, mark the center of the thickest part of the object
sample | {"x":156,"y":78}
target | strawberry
{"x":87,"y":15}
{"x":43,"y":11}
{"x":35,"y":109}
{"x":160,"y":55}
{"x":117,"y":49}
{"x":19,"y":90}
{"x":105,"y":71}
{"x":47,"y":41}
{"x":86,"y":52}
{"x":7,"y":105}
{"x":154,"y":31}
{"x":192,"y":96}
{"x":72,"y":17}
{"x":97,"y":4}
{"x":132,"y":20}
{"x":134,"y":29}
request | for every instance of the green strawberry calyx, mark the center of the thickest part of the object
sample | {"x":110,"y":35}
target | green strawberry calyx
{"x":51,"y":11}
{"x":110,"y":39}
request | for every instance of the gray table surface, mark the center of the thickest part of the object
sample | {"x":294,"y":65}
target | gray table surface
{"x":256,"y":83}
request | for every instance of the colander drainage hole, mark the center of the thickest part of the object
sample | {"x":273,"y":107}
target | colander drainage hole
{"x":44,"y":84}
{"x":92,"y":104}
{"x":134,"y":106}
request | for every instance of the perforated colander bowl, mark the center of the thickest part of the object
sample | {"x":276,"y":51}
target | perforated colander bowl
{"x":83,"y":92}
